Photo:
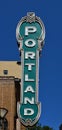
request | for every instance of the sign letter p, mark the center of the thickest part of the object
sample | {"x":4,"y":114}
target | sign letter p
{"x":30,"y":29}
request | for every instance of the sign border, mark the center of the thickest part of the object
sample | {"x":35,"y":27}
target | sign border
{"x":30,"y":18}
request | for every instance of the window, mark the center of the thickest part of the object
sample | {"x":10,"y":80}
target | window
{"x":5,"y":72}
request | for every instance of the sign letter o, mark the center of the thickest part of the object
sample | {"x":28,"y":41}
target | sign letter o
{"x":30,"y":43}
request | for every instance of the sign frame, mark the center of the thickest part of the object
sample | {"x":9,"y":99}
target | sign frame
{"x":30,"y":18}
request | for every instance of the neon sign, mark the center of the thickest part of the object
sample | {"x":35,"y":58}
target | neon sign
{"x":30,"y":34}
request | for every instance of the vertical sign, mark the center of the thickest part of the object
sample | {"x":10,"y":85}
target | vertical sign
{"x":30,"y":34}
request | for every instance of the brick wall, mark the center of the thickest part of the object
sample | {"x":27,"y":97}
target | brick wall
{"x":9,"y":96}
{"x":7,"y":99}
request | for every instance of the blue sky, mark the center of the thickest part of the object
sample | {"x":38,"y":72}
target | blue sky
{"x":50,"y":88}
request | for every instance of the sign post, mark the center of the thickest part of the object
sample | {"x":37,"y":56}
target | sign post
{"x":30,"y":34}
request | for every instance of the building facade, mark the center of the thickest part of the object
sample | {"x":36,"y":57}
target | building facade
{"x":10,"y":83}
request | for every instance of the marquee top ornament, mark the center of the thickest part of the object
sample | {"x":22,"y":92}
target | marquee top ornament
{"x":30,"y":34}
{"x":29,"y":19}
